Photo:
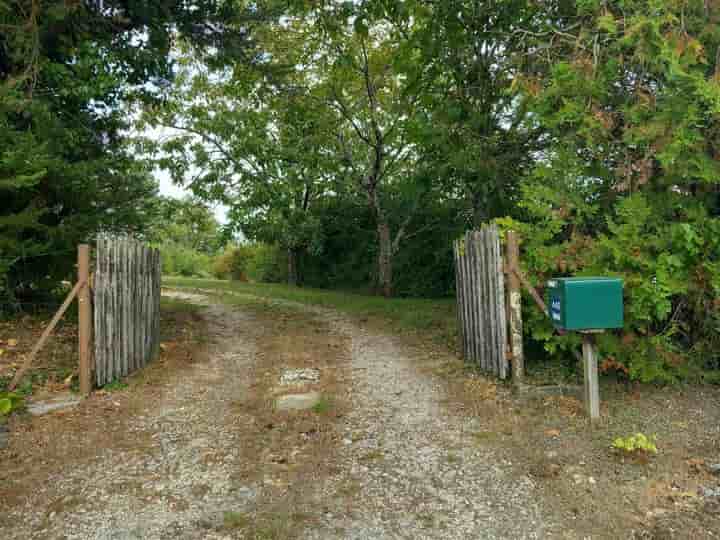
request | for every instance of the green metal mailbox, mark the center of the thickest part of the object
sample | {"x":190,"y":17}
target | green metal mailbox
{"x":586,"y":303}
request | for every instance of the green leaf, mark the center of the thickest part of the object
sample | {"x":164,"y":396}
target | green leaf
{"x":6,"y":406}
{"x":607,"y":22}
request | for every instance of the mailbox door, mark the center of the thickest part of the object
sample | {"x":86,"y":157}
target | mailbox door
{"x":593,"y":303}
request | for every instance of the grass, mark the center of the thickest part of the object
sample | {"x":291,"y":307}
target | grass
{"x":434,"y":318}
{"x":453,"y":459}
{"x":235,"y":520}
{"x":178,"y":306}
{"x":277,"y":525}
{"x":323,"y":406}
{"x":115,"y":386}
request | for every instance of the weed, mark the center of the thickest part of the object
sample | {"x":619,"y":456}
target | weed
{"x":235,"y":520}
{"x":9,"y":402}
{"x":636,"y":444}
{"x":115,"y":386}
{"x":323,"y":406}
{"x":24,"y":388}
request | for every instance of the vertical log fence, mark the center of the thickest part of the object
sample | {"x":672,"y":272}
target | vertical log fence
{"x":127,"y":307}
{"x":481,"y":300}
{"x":118,"y":312}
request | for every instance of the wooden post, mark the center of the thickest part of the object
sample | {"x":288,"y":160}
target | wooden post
{"x":84,"y":316}
{"x":590,"y":370}
{"x":515,"y":307}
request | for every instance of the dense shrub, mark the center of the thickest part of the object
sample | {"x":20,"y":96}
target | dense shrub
{"x":423,"y":266}
{"x":267,"y":264}
{"x":256,"y":262}
{"x":232,"y":263}
{"x":630,"y":185}
{"x":184,"y":261}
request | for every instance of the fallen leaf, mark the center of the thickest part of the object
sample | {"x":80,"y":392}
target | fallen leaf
{"x":552,"y":432}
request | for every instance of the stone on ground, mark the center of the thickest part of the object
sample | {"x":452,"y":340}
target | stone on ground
{"x":298,"y":402}
{"x":64,"y":401}
{"x":299,"y":376}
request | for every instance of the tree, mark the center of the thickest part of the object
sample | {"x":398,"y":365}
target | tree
{"x":376,"y":108}
{"x":256,"y":141}
{"x":186,"y":222}
{"x":68,"y":74}
{"x":478,"y":137}
{"x":630,"y":94}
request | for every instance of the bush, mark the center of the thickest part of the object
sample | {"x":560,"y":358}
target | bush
{"x":267,"y":264}
{"x":232,"y":263}
{"x":628,"y":186}
{"x":182,"y":261}
{"x":260,"y":262}
{"x":665,"y":248}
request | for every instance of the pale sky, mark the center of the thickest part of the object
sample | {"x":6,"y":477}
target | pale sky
{"x":170,"y":189}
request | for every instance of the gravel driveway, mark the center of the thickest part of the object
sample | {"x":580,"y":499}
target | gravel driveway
{"x":402,"y":466}
{"x":419,"y":470}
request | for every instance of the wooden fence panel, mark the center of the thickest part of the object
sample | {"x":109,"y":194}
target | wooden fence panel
{"x":127,"y":307}
{"x":481,"y":308}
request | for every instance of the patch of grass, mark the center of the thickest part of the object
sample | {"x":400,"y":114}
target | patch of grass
{"x":323,"y":406}
{"x":277,"y":525}
{"x":176,"y":305}
{"x":372,"y":456}
{"x":484,"y":436}
{"x":235,"y":520}
{"x":115,"y":386}
{"x":453,"y":459}
{"x":435,"y":318}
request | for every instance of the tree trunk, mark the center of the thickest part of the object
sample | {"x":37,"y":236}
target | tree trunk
{"x":292,"y":256}
{"x":479,"y":210}
{"x":385,"y":259}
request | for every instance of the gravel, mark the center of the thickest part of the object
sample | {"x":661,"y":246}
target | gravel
{"x":4,"y":436}
{"x":416,"y":470}
{"x":173,"y":490}
{"x":407,"y":468}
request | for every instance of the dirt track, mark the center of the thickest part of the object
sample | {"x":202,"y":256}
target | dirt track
{"x":383,"y":461}
{"x":396,"y":448}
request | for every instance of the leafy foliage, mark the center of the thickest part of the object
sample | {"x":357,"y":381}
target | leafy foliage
{"x":352,"y":141}
{"x":638,"y":443}
{"x":258,"y":262}
{"x":187,"y":234}
{"x":9,"y":402}
{"x":629,"y":187}
{"x":69,"y":74}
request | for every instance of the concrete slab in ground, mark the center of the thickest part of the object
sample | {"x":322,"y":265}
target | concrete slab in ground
{"x":298,"y":402}
{"x":63,"y":401}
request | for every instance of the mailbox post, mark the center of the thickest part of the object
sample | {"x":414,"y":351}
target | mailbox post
{"x":588,"y":305}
